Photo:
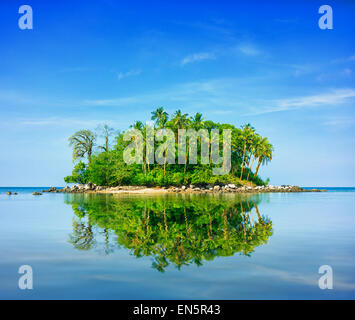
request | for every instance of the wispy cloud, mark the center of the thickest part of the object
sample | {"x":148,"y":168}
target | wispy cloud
{"x":304,"y":279}
{"x":63,"y":122}
{"x":197,"y":57}
{"x":346,"y":72}
{"x":200,"y":94}
{"x":73,"y":69}
{"x":346,"y":59}
{"x":16,"y":97}
{"x":248,"y":50}
{"x":334,"y":97}
{"x":340,"y":123}
{"x":130,"y":73}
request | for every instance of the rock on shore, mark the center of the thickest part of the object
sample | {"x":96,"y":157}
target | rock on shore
{"x":228,"y":188}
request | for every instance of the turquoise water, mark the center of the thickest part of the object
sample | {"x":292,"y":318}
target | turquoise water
{"x":267,"y":246}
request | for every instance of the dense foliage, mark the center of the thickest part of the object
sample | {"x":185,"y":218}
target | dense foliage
{"x":105,"y":164}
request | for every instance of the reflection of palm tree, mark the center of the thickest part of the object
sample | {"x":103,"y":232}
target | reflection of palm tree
{"x":173,"y":230}
{"x":257,"y":212}
{"x":108,"y":247}
{"x":82,"y":237}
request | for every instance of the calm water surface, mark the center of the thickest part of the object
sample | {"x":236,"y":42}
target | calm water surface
{"x":267,"y":246}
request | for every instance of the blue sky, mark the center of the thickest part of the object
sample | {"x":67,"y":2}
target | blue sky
{"x":267,"y":63}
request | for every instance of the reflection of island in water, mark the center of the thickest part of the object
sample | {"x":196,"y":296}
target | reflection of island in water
{"x":178,"y":230}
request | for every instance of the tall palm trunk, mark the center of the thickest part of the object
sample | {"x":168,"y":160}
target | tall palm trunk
{"x":251,"y":166}
{"x":210,"y":151}
{"x":245,"y":147}
{"x":257,"y":167}
{"x":187,"y":154}
{"x":166,"y":154}
{"x":145,"y":158}
{"x":165,"y":157}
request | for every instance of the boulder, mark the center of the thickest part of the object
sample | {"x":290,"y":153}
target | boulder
{"x":37,"y":193}
{"x":9,"y":193}
{"x":65,"y":189}
{"x":231,"y":185}
{"x":183,"y":187}
{"x":52,"y":189}
{"x":90,"y":186}
{"x":216,"y":188}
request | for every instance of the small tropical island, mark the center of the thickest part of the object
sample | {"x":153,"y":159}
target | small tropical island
{"x":100,"y":166}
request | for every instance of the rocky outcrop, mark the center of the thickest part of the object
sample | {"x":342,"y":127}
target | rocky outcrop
{"x":232,"y":188}
{"x":78,"y":188}
{"x":37,"y":193}
{"x":227,"y":188}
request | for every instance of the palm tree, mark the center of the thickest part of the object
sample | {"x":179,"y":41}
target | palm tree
{"x":161,"y":118}
{"x":83,"y":142}
{"x":255,"y":149}
{"x":247,"y":134}
{"x":197,"y":124}
{"x":138,"y":125}
{"x":210,"y":125}
{"x":265,"y":154}
{"x":180,"y":121}
{"x":197,"y":121}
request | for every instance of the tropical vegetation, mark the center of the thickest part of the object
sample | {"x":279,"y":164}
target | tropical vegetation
{"x":98,"y":156}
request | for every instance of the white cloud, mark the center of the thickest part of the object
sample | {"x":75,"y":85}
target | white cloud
{"x":204,"y":94}
{"x":346,"y":72}
{"x":342,"y":60}
{"x":304,"y":279}
{"x":248,"y":50}
{"x":339,"y":123}
{"x":197,"y":57}
{"x":56,"y":121}
{"x":334,"y":97}
{"x":74,"y":69}
{"x":131,"y":73}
